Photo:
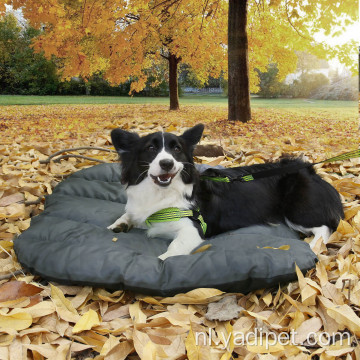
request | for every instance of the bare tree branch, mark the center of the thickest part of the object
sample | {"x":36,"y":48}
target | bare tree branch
{"x":292,"y":25}
{"x":164,"y":56}
{"x":78,"y":157}
{"x":9,"y":276}
{"x":75,"y":149}
{"x":203,"y":14}
{"x":35,"y":202}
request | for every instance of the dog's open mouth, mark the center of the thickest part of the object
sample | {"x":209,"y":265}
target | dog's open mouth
{"x":164,"y":179}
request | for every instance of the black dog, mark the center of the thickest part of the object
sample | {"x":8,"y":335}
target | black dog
{"x":159,"y":173}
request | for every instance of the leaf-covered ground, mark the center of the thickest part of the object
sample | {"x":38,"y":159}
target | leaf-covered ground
{"x":48,"y":321}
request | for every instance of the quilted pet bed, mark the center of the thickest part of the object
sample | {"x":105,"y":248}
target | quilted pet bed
{"x":69,"y":243}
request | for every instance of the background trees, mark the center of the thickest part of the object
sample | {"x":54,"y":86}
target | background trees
{"x":21,"y":70}
{"x":276,"y":28}
{"x":122,"y":39}
{"x":144,"y":42}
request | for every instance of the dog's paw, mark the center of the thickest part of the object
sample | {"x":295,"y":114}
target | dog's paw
{"x":120,"y":226}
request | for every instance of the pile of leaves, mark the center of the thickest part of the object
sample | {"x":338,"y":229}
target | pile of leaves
{"x":39,"y":320}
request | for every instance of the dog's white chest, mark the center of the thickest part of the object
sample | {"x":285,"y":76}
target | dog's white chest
{"x":147,"y":198}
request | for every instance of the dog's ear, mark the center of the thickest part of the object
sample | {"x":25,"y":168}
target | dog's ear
{"x":193,"y":135}
{"x":123,"y":140}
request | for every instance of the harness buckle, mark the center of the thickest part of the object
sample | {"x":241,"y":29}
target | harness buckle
{"x":196,"y":216}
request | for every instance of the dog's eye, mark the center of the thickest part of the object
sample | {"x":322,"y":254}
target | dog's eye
{"x":151,"y":148}
{"x":177,"y":148}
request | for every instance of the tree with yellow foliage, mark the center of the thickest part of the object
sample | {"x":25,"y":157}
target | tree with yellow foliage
{"x":270,"y":31}
{"x":122,"y":38}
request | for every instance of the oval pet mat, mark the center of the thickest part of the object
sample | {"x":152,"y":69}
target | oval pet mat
{"x":69,"y":243}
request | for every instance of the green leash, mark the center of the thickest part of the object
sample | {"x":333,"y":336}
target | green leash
{"x":175,"y":214}
{"x":279,"y":171}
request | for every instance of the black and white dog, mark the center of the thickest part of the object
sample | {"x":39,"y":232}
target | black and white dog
{"x":159,"y":172}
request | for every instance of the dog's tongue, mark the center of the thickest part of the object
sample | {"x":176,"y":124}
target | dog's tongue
{"x":164,"y":177}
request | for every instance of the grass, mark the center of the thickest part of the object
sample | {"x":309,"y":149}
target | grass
{"x":216,"y":100}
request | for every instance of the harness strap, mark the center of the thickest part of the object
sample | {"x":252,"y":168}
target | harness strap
{"x":175,"y":214}
{"x":215,"y":178}
{"x":284,"y":170}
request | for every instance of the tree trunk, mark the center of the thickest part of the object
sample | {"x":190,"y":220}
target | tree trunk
{"x":87,"y":88}
{"x":238,"y":64}
{"x":173,"y":82}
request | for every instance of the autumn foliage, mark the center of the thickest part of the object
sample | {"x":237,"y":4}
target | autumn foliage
{"x":49,"y":321}
{"x":128,"y":39}
{"x":124,"y":39}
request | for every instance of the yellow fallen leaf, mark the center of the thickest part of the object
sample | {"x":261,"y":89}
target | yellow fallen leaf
{"x":6,"y":340}
{"x":344,"y":315}
{"x":11,"y":199}
{"x":114,"y":297}
{"x":202,"y":249}
{"x":340,"y":348}
{"x":16,"y":303}
{"x":144,"y":347}
{"x":298,"y":318}
{"x":41,"y":309}
{"x":150,"y":351}
{"x":264,"y":346}
{"x":120,"y":351}
{"x":87,"y":322}
{"x":282,"y":247}
{"x":6,"y":245}
{"x":136,"y":313}
{"x":321,"y":273}
{"x":46,"y":350}
{"x":13,"y":211}
{"x":63,"y":351}
{"x":308,"y":295}
{"x":352,"y":212}
{"x":150,"y":300}
{"x":64,"y":307}
{"x":90,"y":337}
{"x":340,"y":352}
{"x":299,"y":305}
{"x":197,"y":296}
{"x":81,"y":296}
{"x":60,"y":300}
{"x":171,"y":128}
{"x":195,"y":347}
{"x":29,"y":196}
{"x":109,"y":345}
{"x":16,"y":321}
{"x":309,"y":289}
{"x":23,"y":225}
{"x":182,"y":320}
{"x":267,"y":299}
{"x":345,"y":228}
{"x":308,"y":326}
{"x":230,"y":341}
{"x":215,"y":161}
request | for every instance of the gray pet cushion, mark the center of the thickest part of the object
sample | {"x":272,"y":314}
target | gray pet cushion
{"x":69,"y":243}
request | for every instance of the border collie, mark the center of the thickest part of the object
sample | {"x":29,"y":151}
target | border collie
{"x":158,"y":172}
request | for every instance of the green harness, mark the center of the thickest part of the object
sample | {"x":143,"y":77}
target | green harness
{"x":175,"y":214}
{"x":284,"y":170}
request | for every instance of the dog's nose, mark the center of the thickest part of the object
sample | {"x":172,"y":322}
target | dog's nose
{"x":166,"y":164}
